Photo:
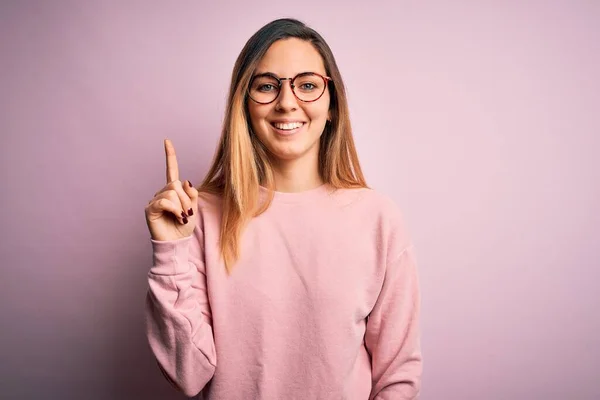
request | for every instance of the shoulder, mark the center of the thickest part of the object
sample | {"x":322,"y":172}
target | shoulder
{"x":209,"y":201}
{"x":379,"y":212}
{"x":368,"y":200}
{"x":210,"y":210}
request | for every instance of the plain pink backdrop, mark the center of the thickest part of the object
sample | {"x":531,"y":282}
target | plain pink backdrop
{"x":480,"y":118}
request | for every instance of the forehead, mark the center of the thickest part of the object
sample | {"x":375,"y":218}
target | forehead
{"x":288,"y":57}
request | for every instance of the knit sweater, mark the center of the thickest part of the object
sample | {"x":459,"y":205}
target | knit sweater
{"x":323,"y":302}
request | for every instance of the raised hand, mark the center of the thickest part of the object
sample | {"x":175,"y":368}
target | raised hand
{"x":172,"y":213}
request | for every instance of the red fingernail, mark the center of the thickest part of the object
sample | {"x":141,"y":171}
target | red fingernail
{"x":183,"y":215}
{"x":190,"y":183}
{"x":190,"y":212}
{"x":185,"y":220}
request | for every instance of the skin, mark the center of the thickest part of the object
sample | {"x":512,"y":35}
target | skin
{"x":172,"y":200}
{"x":295,"y":156}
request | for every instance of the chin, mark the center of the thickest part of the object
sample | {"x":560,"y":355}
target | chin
{"x":288,"y":155}
{"x":291,"y":152}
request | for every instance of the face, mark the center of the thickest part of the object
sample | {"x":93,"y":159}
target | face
{"x":289,"y":128}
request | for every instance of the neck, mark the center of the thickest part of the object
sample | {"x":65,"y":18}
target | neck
{"x":297,"y":175}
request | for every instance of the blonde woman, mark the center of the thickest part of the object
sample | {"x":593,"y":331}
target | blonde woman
{"x":283,"y":276}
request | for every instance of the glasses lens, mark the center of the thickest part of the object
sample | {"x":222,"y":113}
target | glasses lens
{"x":309,"y":87}
{"x":264,"y":89}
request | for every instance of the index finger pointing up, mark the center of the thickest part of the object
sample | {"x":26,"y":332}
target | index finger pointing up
{"x":172,"y":167}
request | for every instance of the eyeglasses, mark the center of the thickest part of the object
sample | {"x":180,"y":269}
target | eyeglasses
{"x":306,"y":86}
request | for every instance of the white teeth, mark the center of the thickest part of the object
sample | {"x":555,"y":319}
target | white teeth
{"x":288,"y":126}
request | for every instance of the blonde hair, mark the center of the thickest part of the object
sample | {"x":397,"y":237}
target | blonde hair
{"x":241,"y":163}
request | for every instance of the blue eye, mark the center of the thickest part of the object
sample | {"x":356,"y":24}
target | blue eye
{"x":266,"y":87}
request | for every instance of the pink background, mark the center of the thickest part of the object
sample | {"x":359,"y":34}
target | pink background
{"x":480,"y":118}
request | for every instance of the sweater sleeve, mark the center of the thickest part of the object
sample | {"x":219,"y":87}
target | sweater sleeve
{"x":178,"y":316}
{"x":392,"y":335}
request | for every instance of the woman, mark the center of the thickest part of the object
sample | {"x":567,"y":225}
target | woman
{"x":283,"y":276}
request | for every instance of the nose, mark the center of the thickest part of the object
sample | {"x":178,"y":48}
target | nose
{"x":286,"y":101}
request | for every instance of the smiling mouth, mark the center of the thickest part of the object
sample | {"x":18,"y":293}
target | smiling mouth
{"x":287,"y":126}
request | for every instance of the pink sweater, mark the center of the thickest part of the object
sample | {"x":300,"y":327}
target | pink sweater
{"x":323,"y":303}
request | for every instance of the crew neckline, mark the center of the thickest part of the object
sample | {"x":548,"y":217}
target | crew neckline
{"x":299,"y":197}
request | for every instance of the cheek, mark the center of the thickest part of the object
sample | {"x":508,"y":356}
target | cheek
{"x":320,"y":109}
{"x":319,"y":113}
{"x":256,"y":117}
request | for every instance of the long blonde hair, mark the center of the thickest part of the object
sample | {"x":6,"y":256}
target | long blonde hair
{"x":241,"y":163}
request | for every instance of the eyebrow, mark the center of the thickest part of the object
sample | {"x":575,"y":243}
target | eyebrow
{"x":277,"y":76}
